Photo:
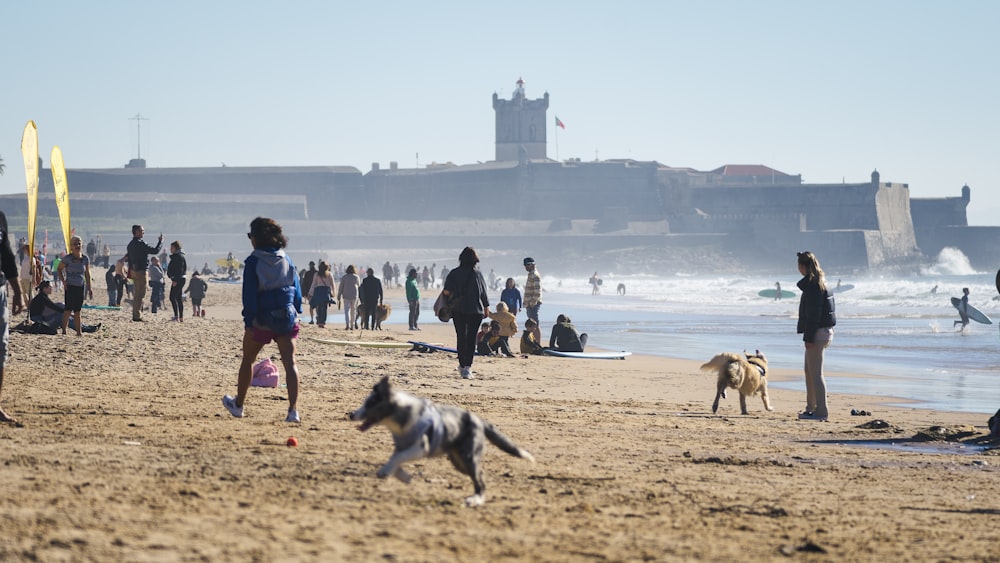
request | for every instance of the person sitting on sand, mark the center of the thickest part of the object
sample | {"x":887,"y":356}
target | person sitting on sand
{"x":564,"y":336}
{"x":492,"y":344}
{"x":531,"y":338}
{"x":44,"y":311}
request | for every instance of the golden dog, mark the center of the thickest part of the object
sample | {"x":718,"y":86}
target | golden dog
{"x":382,"y":313}
{"x":747,"y":373}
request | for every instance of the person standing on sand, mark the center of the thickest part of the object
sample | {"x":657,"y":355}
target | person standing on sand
{"x":177,"y":273}
{"x":196,"y":289}
{"x":371,"y":298}
{"x":74,"y":272}
{"x":138,"y":264}
{"x":320,"y":293}
{"x":817,"y":317}
{"x":465,"y":285}
{"x":8,"y":266}
{"x":512,"y":297}
{"x":532,"y":290}
{"x":413,"y":298}
{"x":272,"y":301}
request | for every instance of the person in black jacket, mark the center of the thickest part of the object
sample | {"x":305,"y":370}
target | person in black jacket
{"x":371,"y":297}
{"x":8,"y":265}
{"x":177,"y":273}
{"x":138,"y":265}
{"x":466,"y":288}
{"x":817,"y":317}
{"x":564,"y":337}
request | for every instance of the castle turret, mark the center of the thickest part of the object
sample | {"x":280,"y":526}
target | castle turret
{"x":520,"y":125}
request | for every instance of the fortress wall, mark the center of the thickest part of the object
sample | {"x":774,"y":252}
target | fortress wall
{"x":892,"y":205}
{"x":489,"y":193}
{"x":585,"y":190}
{"x":931,"y":213}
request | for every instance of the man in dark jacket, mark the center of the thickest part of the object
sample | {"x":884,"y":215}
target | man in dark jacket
{"x":371,"y":298}
{"x":8,"y":266}
{"x":138,"y":265}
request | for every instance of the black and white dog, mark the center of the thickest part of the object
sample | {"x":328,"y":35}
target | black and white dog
{"x":421,"y":428}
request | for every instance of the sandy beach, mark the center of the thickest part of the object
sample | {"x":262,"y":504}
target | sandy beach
{"x":123,"y":452}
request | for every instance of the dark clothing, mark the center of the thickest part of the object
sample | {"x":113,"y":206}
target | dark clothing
{"x":816,"y":309}
{"x":138,"y":254}
{"x":565,"y":339}
{"x":109,"y":279}
{"x":43,"y":310}
{"x":8,"y":262}
{"x":307,"y":281}
{"x":371,"y":297}
{"x":197,"y":288}
{"x":467,"y":290}
{"x":512,"y":297}
{"x":466,"y":329}
{"x":492,"y":344}
{"x":177,"y":272}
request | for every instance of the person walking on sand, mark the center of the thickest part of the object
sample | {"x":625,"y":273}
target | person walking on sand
{"x":467,"y":289}
{"x":196,"y":289}
{"x":138,"y":264}
{"x":817,"y":317}
{"x":8,"y":267}
{"x":413,"y":298}
{"x":532,"y":290}
{"x":347,"y":296}
{"x":272,"y":301}
{"x":371,"y":298}
{"x":321,"y":293}
{"x":963,"y":310}
{"x":74,"y":273}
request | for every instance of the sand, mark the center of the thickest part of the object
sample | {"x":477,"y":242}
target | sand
{"x":123,"y":452}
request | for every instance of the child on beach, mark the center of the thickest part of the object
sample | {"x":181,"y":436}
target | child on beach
{"x":272,"y":301}
{"x":492,"y":344}
{"x":530,"y":338}
{"x":507,"y":321}
{"x":196,"y":289}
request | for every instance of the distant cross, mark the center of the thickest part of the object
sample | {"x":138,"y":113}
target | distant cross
{"x":138,"y":130}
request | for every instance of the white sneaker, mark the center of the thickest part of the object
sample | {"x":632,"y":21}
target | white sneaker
{"x":293,"y":416}
{"x":466,"y":373}
{"x":230,"y":404}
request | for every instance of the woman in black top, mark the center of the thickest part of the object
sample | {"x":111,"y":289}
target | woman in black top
{"x":467,"y":289}
{"x":177,"y":272}
{"x":817,"y":317}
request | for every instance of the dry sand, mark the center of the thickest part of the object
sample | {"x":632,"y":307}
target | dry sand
{"x":124,"y":452}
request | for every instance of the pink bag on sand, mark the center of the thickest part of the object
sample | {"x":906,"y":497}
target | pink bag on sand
{"x":265,"y":374}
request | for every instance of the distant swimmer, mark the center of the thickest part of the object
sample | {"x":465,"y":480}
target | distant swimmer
{"x":621,"y":289}
{"x":934,"y":289}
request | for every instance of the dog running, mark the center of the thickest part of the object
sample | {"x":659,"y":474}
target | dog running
{"x":747,"y":373}
{"x":421,"y":428}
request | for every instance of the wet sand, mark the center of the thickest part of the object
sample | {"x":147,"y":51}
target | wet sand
{"x":123,"y":451}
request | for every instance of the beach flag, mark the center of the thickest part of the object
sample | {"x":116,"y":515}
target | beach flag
{"x":62,"y":192}
{"x":560,"y":123}
{"x":29,"y":151}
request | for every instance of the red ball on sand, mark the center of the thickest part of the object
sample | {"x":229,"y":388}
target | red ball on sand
{"x":292,"y":441}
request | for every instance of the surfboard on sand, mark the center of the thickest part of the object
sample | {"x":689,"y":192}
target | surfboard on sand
{"x":974,"y":314}
{"x":772,"y":293}
{"x":224,"y":280}
{"x":428,"y":347}
{"x":383,"y":344}
{"x":589,"y":355}
{"x":103,"y":307}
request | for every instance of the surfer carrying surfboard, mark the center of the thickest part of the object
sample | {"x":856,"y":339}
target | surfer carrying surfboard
{"x":963,"y":310}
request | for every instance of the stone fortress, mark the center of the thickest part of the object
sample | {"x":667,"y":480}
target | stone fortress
{"x":526,"y":202}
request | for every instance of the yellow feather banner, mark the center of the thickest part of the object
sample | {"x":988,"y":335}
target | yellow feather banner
{"x":62,"y":192}
{"x":29,"y":151}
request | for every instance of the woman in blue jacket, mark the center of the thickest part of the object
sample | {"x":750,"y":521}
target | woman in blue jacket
{"x":272,"y":301}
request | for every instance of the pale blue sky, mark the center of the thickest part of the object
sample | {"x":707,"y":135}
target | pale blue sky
{"x":828,"y":90}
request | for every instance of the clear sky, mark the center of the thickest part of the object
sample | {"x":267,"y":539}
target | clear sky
{"x":828,"y":90}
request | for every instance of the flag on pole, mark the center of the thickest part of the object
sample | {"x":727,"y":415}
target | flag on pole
{"x":560,"y":123}
{"x":62,"y":191}
{"x":29,"y":151}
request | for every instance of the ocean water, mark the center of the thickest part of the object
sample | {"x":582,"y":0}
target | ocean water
{"x":898,"y":331}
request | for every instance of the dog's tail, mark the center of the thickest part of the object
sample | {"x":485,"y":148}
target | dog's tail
{"x":727,"y":360}
{"x":504,"y":443}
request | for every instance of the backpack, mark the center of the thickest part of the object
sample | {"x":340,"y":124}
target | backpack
{"x":265,"y":374}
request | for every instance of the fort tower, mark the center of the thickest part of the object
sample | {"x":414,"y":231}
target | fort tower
{"x":520,"y":125}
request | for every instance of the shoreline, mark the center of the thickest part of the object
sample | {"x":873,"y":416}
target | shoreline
{"x":125,"y":452}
